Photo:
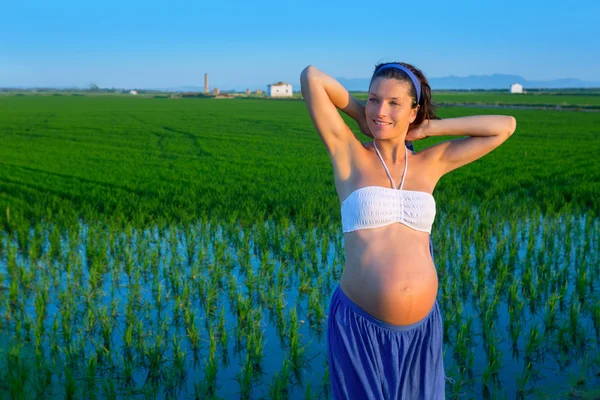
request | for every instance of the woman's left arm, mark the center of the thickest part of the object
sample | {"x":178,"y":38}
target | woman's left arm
{"x":485,"y":133}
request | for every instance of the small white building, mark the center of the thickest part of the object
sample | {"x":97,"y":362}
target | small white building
{"x":516,"y":88}
{"x":279,"y":89}
{"x":133,"y":92}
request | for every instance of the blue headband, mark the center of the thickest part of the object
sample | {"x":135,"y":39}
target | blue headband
{"x":410,"y":74}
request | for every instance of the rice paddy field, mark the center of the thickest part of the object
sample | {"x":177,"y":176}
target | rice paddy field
{"x":188,"y":248}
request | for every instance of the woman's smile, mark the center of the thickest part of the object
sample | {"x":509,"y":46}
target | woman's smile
{"x":381,"y":123}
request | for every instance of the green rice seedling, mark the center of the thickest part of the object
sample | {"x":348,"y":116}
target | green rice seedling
{"x":246,"y":378}
{"x":458,"y":307}
{"x":39,"y":336}
{"x":211,"y":302}
{"x":563,"y":290}
{"x":488,"y":324}
{"x":232,"y":289}
{"x":550,"y":312}
{"x":564,"y":345}
{"x":70,"y":383}
{"x":212,"y":343}
{"x":128,"y":363}
{"x":324,"y":250}
{"x":189,"y":315}
{"x":280,"y":384}
{"x":54,"y":240}
{"x":517,"y":309}
{"x":208,"y":387}
{"x":532,"y":347}
{"x":25,"y":277}
{"x":296,"y":349}
{"x":276,"y":388}
{"x":581,"y":283}
{"x":42,"y":380}
{"x":463,"y":354}
{"x":251,"y":282}
{"x":527,"y":281}
{"x":281,"y":278}
{"x":177,"y":308}
{"x":494,"y":354}
{"x":486,"y":391}
{"x":242,"y":308}
{"x":17,"y":372}
{"x":13,"y":293}
{"x":90,"y":377}
{"x":305,"y":285}
{"x":106,"y":327}
{"x":54,"y":345}
{"x":457,"y":382}
{"x":315,"y":312}
{"x":316,"y":308}
{"x":129,"y":264}
{"x":513,"y":295}
{"x":574,"y":326}
{"x":67,"y":327}
{"x":522,"y":382}
{"x":596,"y":319}
{"x":465,"y":275}
{"x":18,"y":327}
{"x":281,"y":321}
{"x":27,"y":326}
{"x":535,"y":296}
{"x":502,"y":277}
{"x":256,"y":346}
{"x":154,"y":355}
{"x":159,"y":297}
{"x":179,"y":356}
{"x":73,"y":353}
{"x":222,"y":329}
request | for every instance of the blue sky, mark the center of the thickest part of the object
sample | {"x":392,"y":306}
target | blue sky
{"x":149,"y":44}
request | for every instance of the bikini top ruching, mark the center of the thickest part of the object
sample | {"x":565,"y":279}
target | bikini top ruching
{"x":376,"y":206}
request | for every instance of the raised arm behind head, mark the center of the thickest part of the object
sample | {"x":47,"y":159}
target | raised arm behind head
{"x":323,"y":96}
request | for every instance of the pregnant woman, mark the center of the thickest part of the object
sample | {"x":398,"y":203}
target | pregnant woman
{"x":384,"y":335}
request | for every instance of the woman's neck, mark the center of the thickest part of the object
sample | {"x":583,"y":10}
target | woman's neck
{"x":391,"y":149}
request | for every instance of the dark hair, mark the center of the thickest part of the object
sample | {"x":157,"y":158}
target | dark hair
{"x":427,"y":109}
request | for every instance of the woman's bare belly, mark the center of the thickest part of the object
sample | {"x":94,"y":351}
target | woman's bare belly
{"x":389,"y":273}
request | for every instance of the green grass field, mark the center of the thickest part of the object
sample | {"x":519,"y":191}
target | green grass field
{"x":161,"y":159}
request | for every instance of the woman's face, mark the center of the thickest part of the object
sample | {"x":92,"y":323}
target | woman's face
{"x":389,"y":109}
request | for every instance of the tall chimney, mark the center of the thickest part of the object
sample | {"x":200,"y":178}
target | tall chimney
{"x":205,"y":83}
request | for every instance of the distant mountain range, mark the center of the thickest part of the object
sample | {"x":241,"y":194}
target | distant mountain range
{"x":486,"y":82}
{"x":471,"y":82}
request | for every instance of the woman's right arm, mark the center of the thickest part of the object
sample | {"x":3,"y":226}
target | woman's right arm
{"x":323,"y":94}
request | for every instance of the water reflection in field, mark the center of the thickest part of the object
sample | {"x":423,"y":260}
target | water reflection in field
{"x":221,"y":310}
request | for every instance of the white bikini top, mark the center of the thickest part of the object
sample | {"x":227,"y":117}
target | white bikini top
{"x":375,"y":206}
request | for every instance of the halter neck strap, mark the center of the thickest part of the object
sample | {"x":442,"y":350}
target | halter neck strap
{"x":388,"y":172}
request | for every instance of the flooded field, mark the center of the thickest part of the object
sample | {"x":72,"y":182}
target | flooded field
{"x":220,"y":310}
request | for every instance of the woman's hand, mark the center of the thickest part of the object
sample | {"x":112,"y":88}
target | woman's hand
{"x":418,"y":132}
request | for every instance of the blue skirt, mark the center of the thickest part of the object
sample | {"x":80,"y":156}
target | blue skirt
{"x":371,"y":359}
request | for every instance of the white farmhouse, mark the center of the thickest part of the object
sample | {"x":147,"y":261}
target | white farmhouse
{"x":516,"y":88}
{"x":133,"y":92}
{"x":279,"y":89}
